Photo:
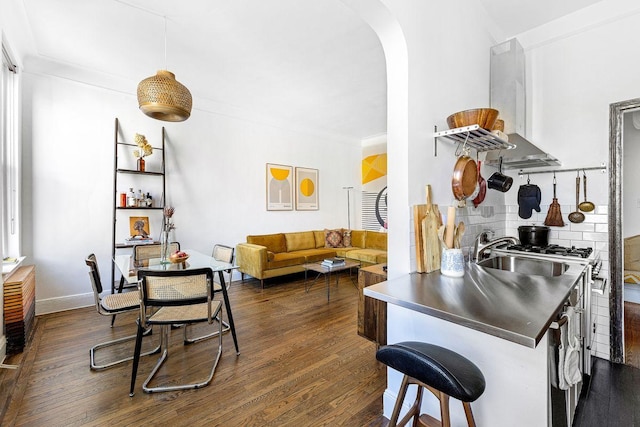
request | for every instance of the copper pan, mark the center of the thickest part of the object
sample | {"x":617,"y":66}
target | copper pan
{"x":465,"y":177}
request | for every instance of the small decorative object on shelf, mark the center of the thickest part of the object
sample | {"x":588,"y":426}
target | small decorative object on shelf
{"x":167,"y":226}
{"x":145,"y":150}
{"x":131,"y":198}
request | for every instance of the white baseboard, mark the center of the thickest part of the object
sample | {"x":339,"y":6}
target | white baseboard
{"x":71,"y":302}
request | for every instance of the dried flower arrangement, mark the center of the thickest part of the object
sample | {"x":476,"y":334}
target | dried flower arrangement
{"x":145,"y":148}
{"x":167,"y":225}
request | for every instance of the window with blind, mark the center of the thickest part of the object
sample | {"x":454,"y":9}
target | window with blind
{"x":10,"y":156}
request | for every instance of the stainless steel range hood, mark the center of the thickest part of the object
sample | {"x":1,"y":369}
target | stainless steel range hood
{"x":508,"y":97}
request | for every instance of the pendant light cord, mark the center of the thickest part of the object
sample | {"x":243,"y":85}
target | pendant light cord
{"x":165,"y":43}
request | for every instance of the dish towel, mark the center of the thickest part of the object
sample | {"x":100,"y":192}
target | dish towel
{"x":569,"y":352}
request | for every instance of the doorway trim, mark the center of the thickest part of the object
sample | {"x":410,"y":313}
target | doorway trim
{"x":616,"y":267}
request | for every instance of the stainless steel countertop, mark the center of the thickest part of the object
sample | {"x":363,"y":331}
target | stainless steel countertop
{"x":513,"y":306}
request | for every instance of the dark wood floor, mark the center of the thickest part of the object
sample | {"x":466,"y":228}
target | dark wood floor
{"x":632,"y":334}
{"x":611,"y":399}
{"x":301,"y":364}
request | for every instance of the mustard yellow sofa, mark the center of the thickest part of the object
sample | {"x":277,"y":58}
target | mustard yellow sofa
{"x":271,"y":255}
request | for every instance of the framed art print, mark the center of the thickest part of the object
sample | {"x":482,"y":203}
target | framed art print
{"x":139,"y":226}
{"x":279,"y":187}
{"x":306,"y":189}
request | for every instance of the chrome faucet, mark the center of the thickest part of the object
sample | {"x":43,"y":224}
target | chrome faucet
{"x":483,"y":243}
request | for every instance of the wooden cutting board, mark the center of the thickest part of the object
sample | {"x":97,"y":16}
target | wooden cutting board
{"x":419,"y":213}
{"x":431,"y":243}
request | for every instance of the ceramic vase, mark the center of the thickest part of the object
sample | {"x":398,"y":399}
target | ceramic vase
{"x":452,"y":263}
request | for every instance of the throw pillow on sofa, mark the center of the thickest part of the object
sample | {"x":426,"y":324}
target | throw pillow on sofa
{"x":333,"y":238}
{"x":346,"y":238}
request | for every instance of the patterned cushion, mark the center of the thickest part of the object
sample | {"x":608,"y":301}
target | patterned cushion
{"x":333,"y":238}
{"x":346,"y":238}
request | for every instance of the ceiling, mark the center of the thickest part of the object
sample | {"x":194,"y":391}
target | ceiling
{"x":308,"y":62}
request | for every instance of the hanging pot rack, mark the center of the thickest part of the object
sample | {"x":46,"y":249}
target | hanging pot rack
{"x":602,"y":168}
{"x":473,"y":137}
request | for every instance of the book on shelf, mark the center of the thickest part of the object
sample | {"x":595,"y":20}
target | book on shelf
{"x":139,"y":240}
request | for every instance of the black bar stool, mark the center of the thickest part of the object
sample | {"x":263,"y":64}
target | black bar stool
{"x":443,"y":372}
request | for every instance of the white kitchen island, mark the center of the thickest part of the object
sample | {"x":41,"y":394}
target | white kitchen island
{"x":498,"y":320}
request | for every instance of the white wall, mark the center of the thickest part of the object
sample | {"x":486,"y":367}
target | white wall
{"x":215,"y":179}
{"x":14,"y":37}
{"x":631,"y":178}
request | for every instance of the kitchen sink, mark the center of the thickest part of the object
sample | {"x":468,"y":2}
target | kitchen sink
{"x":536,"y":267}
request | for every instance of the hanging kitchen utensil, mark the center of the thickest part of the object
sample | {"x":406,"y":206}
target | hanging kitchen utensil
{"x":465,"y":173}
{"x":529,"y":197}
{"x":431,"y":242}
{"x":554,"y":216}
{"x":482,"y":185}
{"x":498,"y":181}
{"x":465,"y":177}
{"x":577,"y":216}
{"x":586,"y":206}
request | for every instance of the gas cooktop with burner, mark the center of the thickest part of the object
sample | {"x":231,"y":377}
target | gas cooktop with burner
{"x":552,"y":250}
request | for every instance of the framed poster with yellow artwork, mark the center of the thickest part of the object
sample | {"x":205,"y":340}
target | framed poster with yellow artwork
{"x":306,"y":189}
{"x":279,"y":187}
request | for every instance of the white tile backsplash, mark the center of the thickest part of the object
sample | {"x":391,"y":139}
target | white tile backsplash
{"x":583,"y":226}
{"x":602,"y":228}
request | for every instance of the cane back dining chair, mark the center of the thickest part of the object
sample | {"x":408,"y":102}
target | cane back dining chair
{"x":225,"y":254}
{"x":169,"y":297}
{"x":142,"y":253}
{"x":110,"y":305}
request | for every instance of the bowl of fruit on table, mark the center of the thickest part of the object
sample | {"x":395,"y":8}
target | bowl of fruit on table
{"x":178,"y":257}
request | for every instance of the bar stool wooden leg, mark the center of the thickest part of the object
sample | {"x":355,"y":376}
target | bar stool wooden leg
{"x":396,"y":408}
{"x":415,"y":410}
{"x":444,"y":409}
{"x":469,"y":414}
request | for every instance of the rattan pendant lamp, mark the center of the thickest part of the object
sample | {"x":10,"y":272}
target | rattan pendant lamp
{"x":162,"y":97}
